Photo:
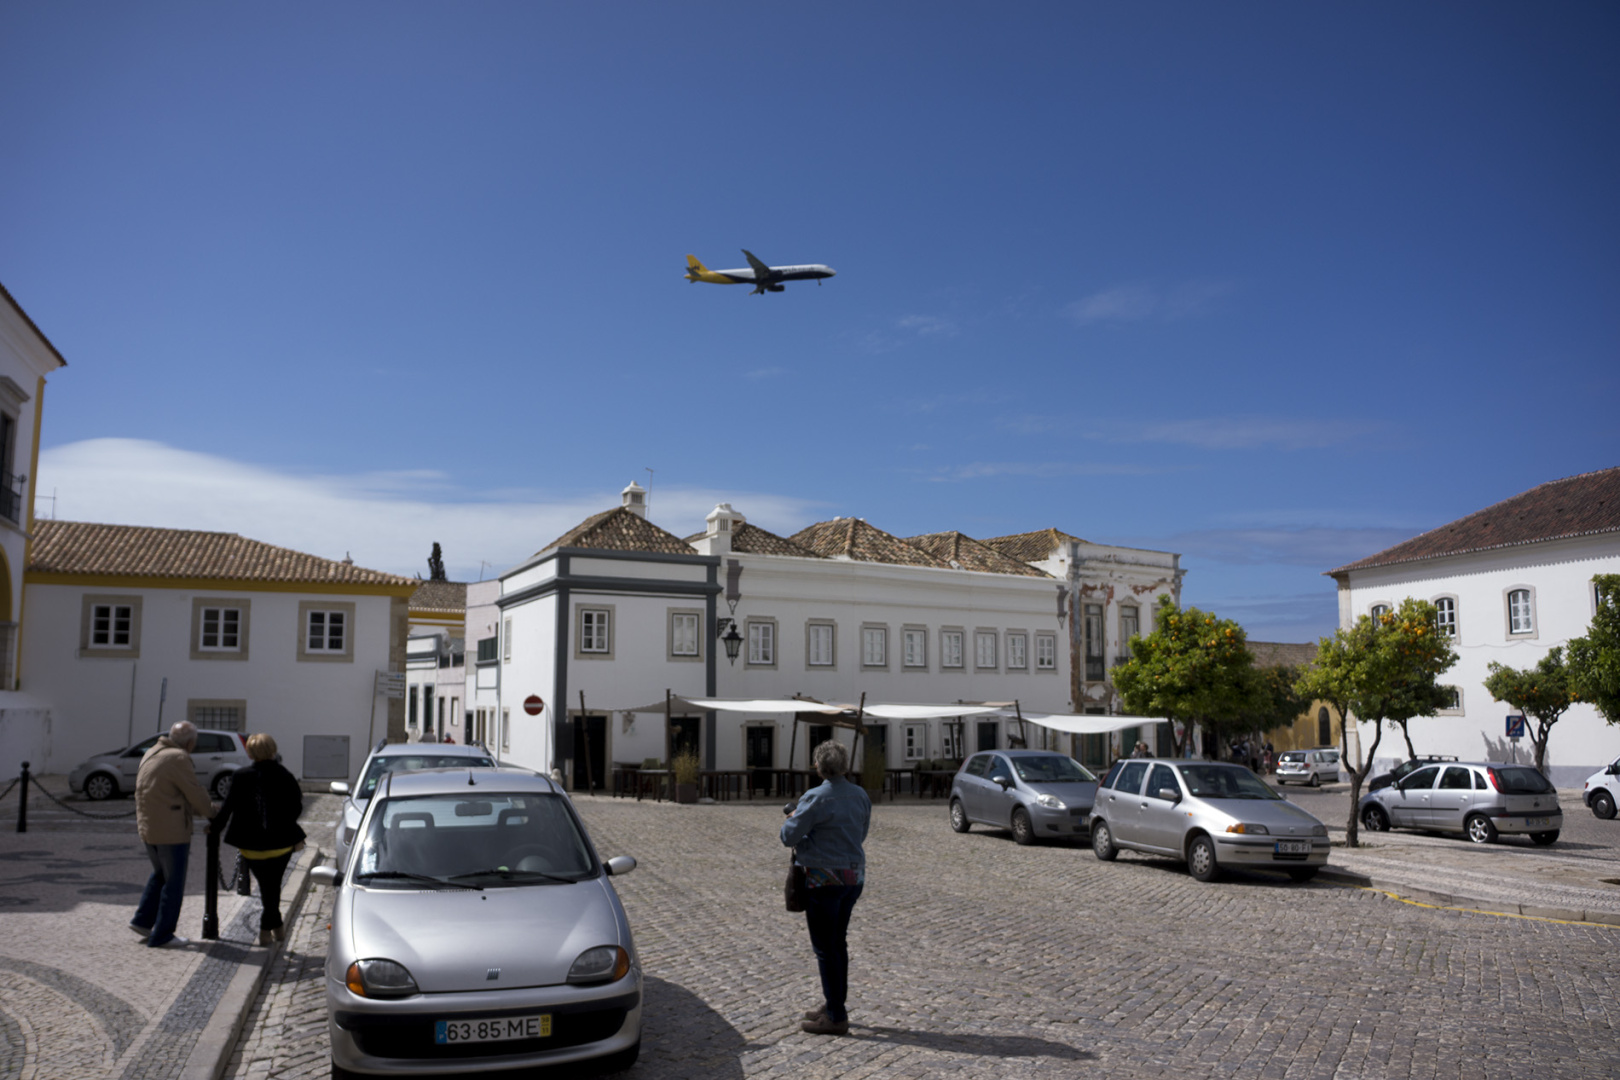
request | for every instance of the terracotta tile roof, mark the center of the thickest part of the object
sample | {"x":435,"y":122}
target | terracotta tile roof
{"x":620,"y":530}
{"x":446,"y":596}
{"x":76,"y":547}
{"x":1276,"y":653}
{"x":1574,"y":506}
{"x":749,"y":539}
{"x":1030,"y":547}
{"x":958,"y":549}
{"x":854,"y":539}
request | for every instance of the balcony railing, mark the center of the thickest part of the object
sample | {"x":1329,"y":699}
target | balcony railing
{"x":10,"y":498}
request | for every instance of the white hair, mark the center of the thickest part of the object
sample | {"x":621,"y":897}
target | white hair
{"x":183,"y":733}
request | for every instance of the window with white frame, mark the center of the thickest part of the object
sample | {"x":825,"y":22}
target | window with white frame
{"x":1453,"y":699}
{"x":1445,"y":617}
{"x":1045,"y":652}
{"x":1017,"y":652}
{"x":506,"y":639}
{"x":914,"y":643}
{"x":1378,"y":611}
{"x":950,"y":648}
{"x":1521,"y":616}
{"x":874,"y":646}
{"x":984,"y":649}
{"x":950,"y":739}
{"x":1095,"y":665}
{"x":221,"y":630}
{"x":594,"y":630}
{"x":819,"y":641}
{"x":916,"y":741}
{"x":326,"y":631}
{"x":684,"y":637}
{"x":1130,"y":625}
{"x":112,"y":626}
{"x":506,"y":729}
{"x":761,"y":644}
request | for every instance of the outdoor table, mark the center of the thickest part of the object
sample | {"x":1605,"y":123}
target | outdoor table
{"x":721,"y":784}
{"x":624,"y":779}
{"x":651,"y":779}
{"x":893,"y":780}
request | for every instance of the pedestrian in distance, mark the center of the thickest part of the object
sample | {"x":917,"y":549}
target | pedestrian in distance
{"x":827,"y":831}
{"x":167,"y":794}
{"x":260,"y":819}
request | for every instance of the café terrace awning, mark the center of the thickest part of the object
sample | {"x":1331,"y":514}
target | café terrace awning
{"x":1075,"y":724}
{"x":801,"y":705}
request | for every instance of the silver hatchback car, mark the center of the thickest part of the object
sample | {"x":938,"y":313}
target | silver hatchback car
{"x":1313,"y":767}
{"x":1035,"y":793}
{"x":475,"y":929}
{"x":1480,"y":799}
{"x":216,"y":757}
{"x":1208,"y":813}
{"x":388,"y":757}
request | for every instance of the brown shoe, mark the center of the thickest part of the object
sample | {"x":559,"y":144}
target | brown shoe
{"x":264,"y":938}
{"x":816,"y":1014}
{"x":825,"y":1025}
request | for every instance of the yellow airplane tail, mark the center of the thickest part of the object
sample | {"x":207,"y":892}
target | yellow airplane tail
{"x":694,"y":268}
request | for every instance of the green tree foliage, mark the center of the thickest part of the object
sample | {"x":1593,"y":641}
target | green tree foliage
{"x":1384,"y":669}
{"x":1594,"y":660}
{"x":1542,"y":693}
{"x":1273,"y":700}
{"x":1194,"y":668}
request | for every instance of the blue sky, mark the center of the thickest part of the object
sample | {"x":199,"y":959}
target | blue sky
{"x":1273,"y":286}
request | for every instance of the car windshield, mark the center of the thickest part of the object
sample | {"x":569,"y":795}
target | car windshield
{"x":1051,"y":769}
{"x":387,"y":763}
{"x":1224,"y":782}
{"x":1520,"y":780}
{"x":481,"y":841}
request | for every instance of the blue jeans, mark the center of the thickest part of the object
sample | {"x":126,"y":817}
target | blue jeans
{"x":159,"y":909}
{"x":827,"y":909}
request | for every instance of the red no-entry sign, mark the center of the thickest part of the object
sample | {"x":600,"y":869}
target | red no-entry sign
{"x":533,"y":705}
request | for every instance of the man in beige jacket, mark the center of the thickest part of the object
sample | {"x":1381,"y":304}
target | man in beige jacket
{"x":167,"y":793}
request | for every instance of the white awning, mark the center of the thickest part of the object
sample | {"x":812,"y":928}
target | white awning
{"x":927,"y":712}
{"x":766,"y":705}
{"x":1075,"y":724}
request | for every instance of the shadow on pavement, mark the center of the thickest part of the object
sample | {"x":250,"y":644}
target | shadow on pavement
{"x":998,"y":1046}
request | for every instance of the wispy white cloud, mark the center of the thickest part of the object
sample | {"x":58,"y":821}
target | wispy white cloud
{"x":1243,"y":432}
{"x":1320,"y":547}
{"x":385,"y":520}
{"x":1139,"y":302}
{"x":904,"y":330}
{"x":928,"y":325}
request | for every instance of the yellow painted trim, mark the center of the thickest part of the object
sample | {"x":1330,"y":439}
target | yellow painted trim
{"x":123,"y":581}
{"x":28,"y":535}
{"x":1478,"y":911}
{"x":437,"y":620}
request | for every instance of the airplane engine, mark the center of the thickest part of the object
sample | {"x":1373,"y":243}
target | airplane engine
{"x":776,"y":288}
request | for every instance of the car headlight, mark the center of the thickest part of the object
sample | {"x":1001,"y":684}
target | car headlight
{"x":380,"y":979}
{"x":605,"y":963}
{"x":1251,"y":830}
{"x":1318,"y":830}
{"x":1051,"y":802}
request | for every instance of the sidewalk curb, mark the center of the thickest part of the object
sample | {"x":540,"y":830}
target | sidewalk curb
{"x":213,"y":1048}
{"x":1341,"y":876}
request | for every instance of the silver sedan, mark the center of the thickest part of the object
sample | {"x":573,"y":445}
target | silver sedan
{"x":475,"y":929}
{"x":1207,"y":813}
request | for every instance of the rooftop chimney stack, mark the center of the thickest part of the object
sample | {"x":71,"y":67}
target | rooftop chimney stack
{"x":723,"y":523}
{"x":634,"y":499}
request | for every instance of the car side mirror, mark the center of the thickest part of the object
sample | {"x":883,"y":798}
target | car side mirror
{"x":1004,"y":781}
{"x":1613,"y":770}
{"x":1170,"y":794}
{"x":619,"y":865}
{"x":338,"y":787}
{"x":327,"y":875}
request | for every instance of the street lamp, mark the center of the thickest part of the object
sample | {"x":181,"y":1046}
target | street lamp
{"x":731,"y":640}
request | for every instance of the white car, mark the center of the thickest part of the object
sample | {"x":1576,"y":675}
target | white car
{"x":387,"y":757}
{"x":1308,"y":766}
{"x":217,"y":755}
{"x":1602,"y":790}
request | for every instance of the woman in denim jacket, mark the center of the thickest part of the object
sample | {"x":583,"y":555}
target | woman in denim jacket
{"x":826,"y":831}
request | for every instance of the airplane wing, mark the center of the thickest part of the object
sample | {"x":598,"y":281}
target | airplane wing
{"x":761,"y":271}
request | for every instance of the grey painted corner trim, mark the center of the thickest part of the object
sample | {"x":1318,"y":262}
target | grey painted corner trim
{"x":602,"y":553}
{"x":560,"y":648}
{"x":644,"y":586}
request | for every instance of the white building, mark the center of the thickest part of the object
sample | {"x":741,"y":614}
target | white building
{"x":482,"y":623}
{"x":1511,"y":581}
{"x":625,"y":612}
{"x":435,"y":662}
{"x":132,"y":628}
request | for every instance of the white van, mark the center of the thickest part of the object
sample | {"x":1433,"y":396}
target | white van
{"x":1602,"y":790}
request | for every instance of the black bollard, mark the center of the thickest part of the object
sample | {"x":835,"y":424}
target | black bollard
{"x":210,"y":928}
{"x":22,"y":800}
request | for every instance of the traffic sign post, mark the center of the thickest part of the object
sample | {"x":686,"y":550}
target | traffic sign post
{"x":1515,"y":732}
{"x":533,"y":705}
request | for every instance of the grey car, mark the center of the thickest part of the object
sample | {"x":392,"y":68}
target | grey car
{"x":1311,"y":767}
{"x":388,"y":757}
{"x":1207,"y":813}
{"x":1479,"y":799}
{"x":1035,"y":793}
{"x":217,"y":755}
{"x":475,"y":929}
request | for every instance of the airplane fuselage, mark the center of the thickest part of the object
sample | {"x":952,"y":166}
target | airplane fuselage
{"x":763,"y":278}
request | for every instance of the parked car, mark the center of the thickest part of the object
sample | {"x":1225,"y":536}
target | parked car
{"x":475,"y":928}
{"x":1602,"y":790}
{"x":1405,"y":768}
{"x":1209,"y":814}
{"x":1308,"y":766}
{"x":388,"y":757}
{"x":1479,"y":799}
{"x":1035,"y":793}
{"x":216,"y":756}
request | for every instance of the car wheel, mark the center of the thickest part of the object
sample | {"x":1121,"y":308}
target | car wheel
{"x":1602,"y":804}
{"x":1303,"y":873}
{"x":1545,"y":838}
{"x":98,"y":786}
{"x":1316,"y":780}
{"x":222,"y":786}
{"x":1479,"y":829}
{"x":1102,"y":842}
{"x":1201,"y":859}
{"x":1023,"y":830}
{"x":959,"y":818}
{"x":622,"y":1060}
{"x":1374,"y":819}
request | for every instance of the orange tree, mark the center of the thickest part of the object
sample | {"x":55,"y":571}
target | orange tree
{"x":1542,"y":693}
{"x":1194,"y":669}
{"x":1383,"y":669}
{"x":1594,"y":657}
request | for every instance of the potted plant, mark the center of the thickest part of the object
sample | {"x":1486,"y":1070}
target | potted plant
{"x":685,"y":767}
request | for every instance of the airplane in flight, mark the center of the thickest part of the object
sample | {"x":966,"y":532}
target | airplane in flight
{"x":763,"y":278}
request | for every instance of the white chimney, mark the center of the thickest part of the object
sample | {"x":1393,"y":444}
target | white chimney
{"x":723,"y":523}
{"x":634,"y":499}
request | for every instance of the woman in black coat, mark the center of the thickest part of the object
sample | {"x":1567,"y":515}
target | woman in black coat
{"x":260,"y":819}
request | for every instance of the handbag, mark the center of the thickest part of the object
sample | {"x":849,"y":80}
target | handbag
{"x":793,"y":889}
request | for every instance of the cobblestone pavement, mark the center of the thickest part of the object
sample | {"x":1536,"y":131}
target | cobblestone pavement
{"x":81,"y":996}
{"x":975,"y":957}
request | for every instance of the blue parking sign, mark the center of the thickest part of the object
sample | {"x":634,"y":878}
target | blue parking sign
{"x":1515,"y":727}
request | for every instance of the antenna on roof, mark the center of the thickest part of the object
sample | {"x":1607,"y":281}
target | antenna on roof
{"x":482,"y":564}
{"x":649,"y":473}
